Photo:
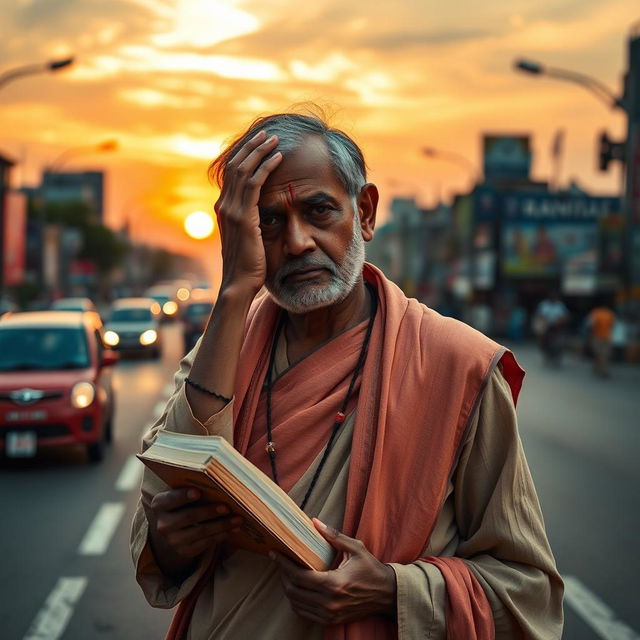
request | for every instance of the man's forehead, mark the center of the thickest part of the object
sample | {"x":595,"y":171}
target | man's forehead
{"x":303,"y":171}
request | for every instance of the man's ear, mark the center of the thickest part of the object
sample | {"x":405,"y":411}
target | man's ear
{"x":367,"y":207}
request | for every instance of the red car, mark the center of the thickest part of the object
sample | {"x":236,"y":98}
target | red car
{"x":55,"y":383}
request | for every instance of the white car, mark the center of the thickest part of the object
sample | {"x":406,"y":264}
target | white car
{"x":134,"y":326}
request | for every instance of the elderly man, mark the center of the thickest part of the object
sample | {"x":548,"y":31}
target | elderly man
{"x":393,"y":427}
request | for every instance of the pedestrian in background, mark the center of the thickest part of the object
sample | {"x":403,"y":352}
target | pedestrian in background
{"x":600,"y":323}
{"x":549,"y":323}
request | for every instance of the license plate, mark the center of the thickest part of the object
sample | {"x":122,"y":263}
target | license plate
{"x":21,"y":444}
{"x":21,"y":416}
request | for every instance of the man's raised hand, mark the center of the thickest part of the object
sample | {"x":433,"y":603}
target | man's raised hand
{"x":244,"y":263}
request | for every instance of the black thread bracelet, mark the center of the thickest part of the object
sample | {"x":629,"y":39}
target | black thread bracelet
{"x":199,"y":387}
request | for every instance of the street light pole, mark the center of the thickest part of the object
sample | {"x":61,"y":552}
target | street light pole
{"x":30,"y":69}
{"x":628,"y":151}
{"x":102,"y":147}
{"x":457,"y":158}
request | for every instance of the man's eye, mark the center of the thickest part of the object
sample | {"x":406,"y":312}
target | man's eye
{"x":269,"y":221}
{"x":321,"y":209}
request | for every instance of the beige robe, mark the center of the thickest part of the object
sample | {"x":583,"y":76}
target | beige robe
{"x":491,"y":517}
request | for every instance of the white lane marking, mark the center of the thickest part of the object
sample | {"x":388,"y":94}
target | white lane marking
{"x":599,"y":616}
{"x":101,"y":530}
{"x":52,"y":619}
{"x":130,"y":476}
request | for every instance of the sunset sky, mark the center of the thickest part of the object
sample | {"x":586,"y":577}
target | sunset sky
{"x":172,"y":80}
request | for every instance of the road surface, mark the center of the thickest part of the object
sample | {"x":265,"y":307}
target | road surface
{"x":66,"y":571}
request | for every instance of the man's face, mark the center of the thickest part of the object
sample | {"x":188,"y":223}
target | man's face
{"x":313,"y":245}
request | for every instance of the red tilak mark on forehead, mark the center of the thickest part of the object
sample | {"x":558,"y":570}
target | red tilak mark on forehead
{"x":292,"y":195}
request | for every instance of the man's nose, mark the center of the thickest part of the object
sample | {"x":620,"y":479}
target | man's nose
{"x":298,"y":238}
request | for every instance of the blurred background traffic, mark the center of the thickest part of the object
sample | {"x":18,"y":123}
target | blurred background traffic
{"x":505,"y":141}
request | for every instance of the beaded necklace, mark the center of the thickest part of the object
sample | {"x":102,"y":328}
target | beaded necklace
{"x":340,"y":416}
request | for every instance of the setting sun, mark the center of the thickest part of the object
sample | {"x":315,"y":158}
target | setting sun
{"x":199,"y":225}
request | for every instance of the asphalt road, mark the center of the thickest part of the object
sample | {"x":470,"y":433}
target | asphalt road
{"x":582,"y":438}
{"x":580,"y":435}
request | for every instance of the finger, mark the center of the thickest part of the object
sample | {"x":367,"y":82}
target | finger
{"x":191,"y":535}
{"x":299,"y":577}
{"x":174,"y":499}
{"x":289,"y":567}
{"x":237,"y":179}
{"x":237,"y":173}
{"x":248,"y":166}
{"x":247,"y":148}
{"x":257,"y":180}
{"x":198,"y":547}
{"x":190,"y":515}
{"x":307,"y":597}
{"x":285,"y":563}
{"x":339,"y":540}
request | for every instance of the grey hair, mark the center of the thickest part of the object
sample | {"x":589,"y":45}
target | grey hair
{"x":291,"y":128}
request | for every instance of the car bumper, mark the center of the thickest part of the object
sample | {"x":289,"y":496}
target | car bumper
{"x":59,"y":429}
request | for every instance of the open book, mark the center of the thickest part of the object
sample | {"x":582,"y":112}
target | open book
{"x":272,"y":520}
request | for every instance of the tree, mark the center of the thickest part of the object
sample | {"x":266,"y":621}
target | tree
{"x":103,"y":247}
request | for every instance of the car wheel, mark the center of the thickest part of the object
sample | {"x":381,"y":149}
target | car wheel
{"x":95,"y":450}
{"x":108,"y":429}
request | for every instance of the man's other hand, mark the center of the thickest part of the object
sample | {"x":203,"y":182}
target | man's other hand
{"x":359,"y":587}
{"x":183,"y":527}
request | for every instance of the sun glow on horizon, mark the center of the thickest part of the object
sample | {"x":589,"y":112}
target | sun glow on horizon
{"x":199,"y":225}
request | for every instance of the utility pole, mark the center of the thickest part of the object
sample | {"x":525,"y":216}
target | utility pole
{"x":631,"y":100}
{"x":5,"y":78}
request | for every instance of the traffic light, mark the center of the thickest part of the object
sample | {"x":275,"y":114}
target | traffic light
{"x":608,"y":151}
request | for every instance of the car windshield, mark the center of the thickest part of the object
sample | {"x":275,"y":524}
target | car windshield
{"x":161,"y":298}
{"x":131,"y":315}
{"x":197,"y":311}
{"x":68,"y":307}
{"x":43,"y":348}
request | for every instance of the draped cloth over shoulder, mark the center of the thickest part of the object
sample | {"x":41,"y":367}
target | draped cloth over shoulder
{"x":422,"y":380}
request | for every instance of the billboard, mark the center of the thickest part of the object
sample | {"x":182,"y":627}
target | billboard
{"x":15,"y":233}
{"x":541,"y":234}
{"x":506,"y":157}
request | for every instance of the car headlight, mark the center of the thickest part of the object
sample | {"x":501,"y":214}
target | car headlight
{"x":148,"y":337}
{"x":82,"y":394}
{"x":111,"y":338}
{"x":170,"y":308}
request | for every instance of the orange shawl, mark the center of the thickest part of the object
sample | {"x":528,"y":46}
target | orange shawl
{"x":421,"y":382}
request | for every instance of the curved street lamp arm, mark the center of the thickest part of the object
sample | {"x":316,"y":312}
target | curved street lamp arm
{"x":67,"y":154}
{"x":452,"y":156}
{"x":29,"y":69}
{"x":592,"y":84}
